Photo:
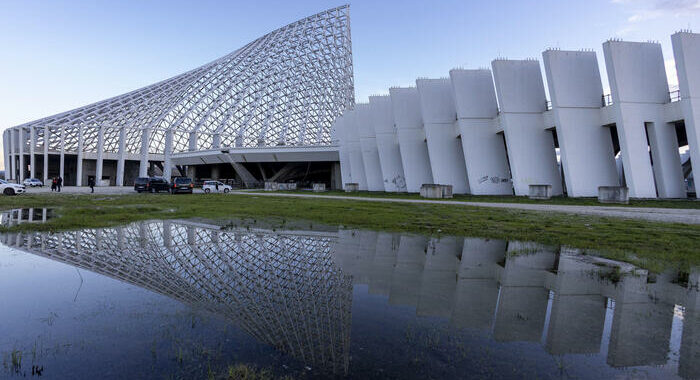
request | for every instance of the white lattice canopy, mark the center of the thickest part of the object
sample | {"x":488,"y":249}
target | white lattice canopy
{"x":285,"y":88}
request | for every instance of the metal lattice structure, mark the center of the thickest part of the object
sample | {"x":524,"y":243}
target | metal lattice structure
{"x":284,"y":89}
{"x":283,"y":288}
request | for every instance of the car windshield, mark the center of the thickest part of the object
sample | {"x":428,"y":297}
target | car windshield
{"x":141,"y":180}
{"x":183,"y":181}
{"x":3,"y":182}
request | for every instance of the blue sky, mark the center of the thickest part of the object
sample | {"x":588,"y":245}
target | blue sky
{"x":58,"y":55}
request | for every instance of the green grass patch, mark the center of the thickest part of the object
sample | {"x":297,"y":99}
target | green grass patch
{"x":653,"y":245}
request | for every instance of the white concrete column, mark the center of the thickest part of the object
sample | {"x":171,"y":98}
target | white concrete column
{"x":412,"y":145}
{"x":143,"y":167}
{"x":167,"y":154}
{"x":339,"y":133}
{"x":6,"y":152}
{"x":585,"y":147}
{"x":387,"y":143}
{"x":62,"y":159}
{"x":79,"y":158}
{"x":13,"y":153}
{"x":368,"y":145}
{"x":47,"y":141}
{"x":357,"y":164}
{"x":686,"y":51}
{"x":22,"y":166}
{"x":530,"y":147}
{"x":484,"y":151}
{"x":32,"y":158}
{"x":99,"y":163}
{"x":121,"y":157}
{"x":440,"y":123}
{"x":640,"y":89}
{"x":192,"y":141}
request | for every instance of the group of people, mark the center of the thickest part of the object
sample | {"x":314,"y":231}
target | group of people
{"x":56,"y":184}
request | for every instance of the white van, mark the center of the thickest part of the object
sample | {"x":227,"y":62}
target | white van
{"x":215,"y":187}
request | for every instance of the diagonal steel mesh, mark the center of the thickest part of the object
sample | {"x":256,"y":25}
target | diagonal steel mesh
{"x":285,"y":88}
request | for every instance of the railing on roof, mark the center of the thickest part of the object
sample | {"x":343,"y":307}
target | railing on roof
{"x":547,"y":105}
{"x":606,"y":100}
{"x":675,"y":94}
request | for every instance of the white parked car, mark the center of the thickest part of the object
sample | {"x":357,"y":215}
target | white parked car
{"x":33,"y":182}
{"x":7,"y":188}
{"x":215,"y":187}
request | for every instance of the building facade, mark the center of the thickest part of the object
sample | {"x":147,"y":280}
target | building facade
{"x":271,"y":101}
{"x":495,"y":132}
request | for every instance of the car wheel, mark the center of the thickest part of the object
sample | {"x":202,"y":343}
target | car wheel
{"x":8,"y":191}
{"x":207,"y":191}
{"x":226,"y":191}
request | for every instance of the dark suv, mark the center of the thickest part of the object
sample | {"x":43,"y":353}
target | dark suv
{"x":152,"y":184}
{"x":182,"y":185}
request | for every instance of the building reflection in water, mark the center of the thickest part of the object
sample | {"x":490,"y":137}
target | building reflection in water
{"x":293,"y":290}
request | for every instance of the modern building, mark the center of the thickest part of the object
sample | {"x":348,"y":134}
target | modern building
{"x":282,"y":109}
{"x":262,"y":112}
{"x":495,"y":132}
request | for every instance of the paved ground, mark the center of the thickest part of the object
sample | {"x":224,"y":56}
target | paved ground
{"x":690,"y":216}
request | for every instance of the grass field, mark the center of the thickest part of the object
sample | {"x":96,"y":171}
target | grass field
{"x":650,"y":244}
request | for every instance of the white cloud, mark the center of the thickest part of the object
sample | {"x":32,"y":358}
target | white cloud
{"x":644,"y":10}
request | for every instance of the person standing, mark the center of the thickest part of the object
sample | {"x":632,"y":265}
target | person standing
{"x":54,"y":183}
{"x":59,"y":183}
{"x":91,"y":183}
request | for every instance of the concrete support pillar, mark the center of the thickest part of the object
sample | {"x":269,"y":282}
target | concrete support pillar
{"x":13,"y":153}
{"x":47,"y":142}
{"x":32,"y":147}
{"x":639,"y":89}
{"x":6,"y":152}
{"x":585,"y":147}
{"x":484,"y":151}
{"x":444,"y":146}
{"x":339,"y":133}
{"x":411,"y":135}
{"x":99,"y":164}
{"x":368,"y":145}
{"x":387,"y":140}
{"x":357,"y":165}
{"x":192,"y":141}
{"x":167,"y":155}
{"x":143,"y":167}
{"x":22,"y":166}
{"x":79,"y":166}
{"x":121,"y":157}
{"x":686,"y":51}
{"x":215,"y":172}
{"x":62,"y":158}
{"x":192,"y":171}
{"x":530,"y":147}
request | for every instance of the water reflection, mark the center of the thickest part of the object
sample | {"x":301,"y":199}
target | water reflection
{"x":294,"y":290}
{"x":9,"y":218}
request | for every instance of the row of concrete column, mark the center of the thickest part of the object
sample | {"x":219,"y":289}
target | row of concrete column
{"x":493,"y":132}
{"x":16,"y":141}
{"x":514,"y":288}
